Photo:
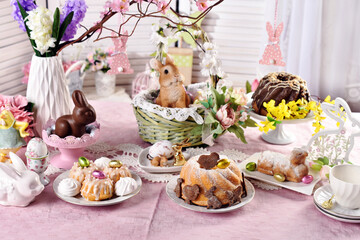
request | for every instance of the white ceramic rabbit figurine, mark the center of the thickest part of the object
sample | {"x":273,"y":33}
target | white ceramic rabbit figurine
{"x":18,"y":185}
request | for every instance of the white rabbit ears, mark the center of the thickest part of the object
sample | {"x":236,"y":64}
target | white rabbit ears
{"x":18,"y":163}
{"x":156,"y":64}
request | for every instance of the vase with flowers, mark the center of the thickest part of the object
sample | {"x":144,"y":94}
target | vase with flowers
{"x":98,"y":62}
{"x":47,"y":31}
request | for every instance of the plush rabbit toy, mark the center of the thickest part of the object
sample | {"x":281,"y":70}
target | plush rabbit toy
{"x":272,"y":50}
{"x":172,"y":91}
{"x":74,"y":125}
{"x":18,"y":185}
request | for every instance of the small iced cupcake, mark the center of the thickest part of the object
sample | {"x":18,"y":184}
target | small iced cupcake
{"x":81,"y":169}
{"x":116,"y":170}
{"x":69,"y":187}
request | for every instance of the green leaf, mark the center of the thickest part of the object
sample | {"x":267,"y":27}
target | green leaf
{"x":188,"y":39}
{"x":56,"y":24}
{"x":24,"y":15}
{"x":205,"y":104}
{"x":319,"y":162}
{"x":219,"y":99}
{"x":238,"y":131}
{"x":197,"y":130}
{"x":248,"y":87}
{"x":63,"y":27}
{"x":324,"y":160}
{"x":270,"y":119}
{"x":219,"y":130}
{"x":153,"y":54}
{"x":210,"y":119}
{"x":249,"y":122}
{"x":210,"y":101}
{"x":223,"y":89}
{"x":316,"y":167}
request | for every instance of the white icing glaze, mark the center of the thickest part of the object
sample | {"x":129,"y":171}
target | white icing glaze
{"x":116,"y":173}
{"x":276,"y":159}
{"x":79,"y":173}
{"x":161,"y":148}
{"x":125,"y":186}
{"x":102,"y":162}
{"x":69,"y":187}
{"x":95,"y":186}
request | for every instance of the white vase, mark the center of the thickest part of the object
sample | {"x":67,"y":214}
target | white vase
{"x":104,"y":83}
{"x":47,"y":89}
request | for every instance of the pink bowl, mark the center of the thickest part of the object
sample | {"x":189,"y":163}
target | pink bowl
{"x":71,"y":148}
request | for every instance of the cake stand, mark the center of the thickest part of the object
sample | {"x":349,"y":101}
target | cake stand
{"x":278,"y":136}
{"x":70,"y":147}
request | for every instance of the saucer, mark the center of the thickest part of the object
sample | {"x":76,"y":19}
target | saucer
{"x":337,"y":212}
{"x":170,"y":186}
{"x":145,"y":164}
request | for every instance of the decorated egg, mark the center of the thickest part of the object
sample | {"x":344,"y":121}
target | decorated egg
{"x":307,"y":179}
{"x":84,"y":162}
{"x":98,"y":174}
{"x":279,"y":177}
{"x":223,"y":163}
{"x":251,"y":166}
{"x":161,"y":148}
{"x":115,"y":164}
{"x":36,"y":148}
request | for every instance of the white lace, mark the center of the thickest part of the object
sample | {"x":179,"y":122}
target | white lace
{"x":145,"y":99}
{"x":128,"y":154}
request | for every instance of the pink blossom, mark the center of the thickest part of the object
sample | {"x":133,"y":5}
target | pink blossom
{"x":121,"y":6}
{"x":226,"y":116}
{"x":243,"y":117}
{"x":254,"y":85}
{"x":202,"y":5}
{"x":26,"y":71}
{"x":163,"y":6}
{"x":324,"y":172}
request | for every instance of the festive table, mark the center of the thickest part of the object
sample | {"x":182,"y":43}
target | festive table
{"x":276,"y":214}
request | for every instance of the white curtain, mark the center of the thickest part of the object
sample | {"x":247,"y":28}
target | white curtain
{"x":321,"y":43}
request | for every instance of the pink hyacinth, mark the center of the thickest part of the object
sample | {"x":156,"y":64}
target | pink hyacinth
{"x":226,"y":116}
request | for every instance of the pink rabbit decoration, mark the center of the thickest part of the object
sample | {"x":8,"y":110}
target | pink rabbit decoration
{"x":272,"y":53}
{"x":119,"y":63}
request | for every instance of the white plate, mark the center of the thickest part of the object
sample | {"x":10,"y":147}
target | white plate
{"x":79,"y":200}
{"x":170,"y":192}
{"x":324,"y":193}
{"x":348,"y":220}
{"x":145,"y":164}
{"x":297,"y":187}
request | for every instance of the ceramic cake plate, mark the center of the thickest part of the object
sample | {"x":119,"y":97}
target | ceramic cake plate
{"x":337,"y":212}
{"x":79,"y":200}
{"x":297,"y":187}
{"x":145,"y":164}
{"x":172,"y":195}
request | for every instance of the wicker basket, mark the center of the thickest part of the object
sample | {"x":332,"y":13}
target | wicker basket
{"x":154,"y":128}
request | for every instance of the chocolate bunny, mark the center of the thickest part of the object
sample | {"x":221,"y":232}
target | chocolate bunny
{"x":74,"y":125}
{"x":172,"y":91}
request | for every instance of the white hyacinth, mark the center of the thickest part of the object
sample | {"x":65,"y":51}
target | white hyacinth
{"x":40,"y":23}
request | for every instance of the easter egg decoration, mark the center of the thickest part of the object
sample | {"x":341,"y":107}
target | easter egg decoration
{"x":84,"y":162}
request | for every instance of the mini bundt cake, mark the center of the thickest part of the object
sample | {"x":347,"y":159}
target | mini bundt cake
{"x":278,"y":86}
{"x":97,"y":189}
{"x":79,"y":173}
{"x":116,"y":170}
{"x":209,"y":181}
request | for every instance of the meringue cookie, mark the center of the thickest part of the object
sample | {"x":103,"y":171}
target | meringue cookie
{"x":69,"y":187}
{"x":102,"y":162}
{"x":125,"y":185}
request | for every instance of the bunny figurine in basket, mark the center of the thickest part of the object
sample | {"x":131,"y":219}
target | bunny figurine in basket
{"x":74,"y":125}
{"x":172,"y":91}
{"x":18,"y":185}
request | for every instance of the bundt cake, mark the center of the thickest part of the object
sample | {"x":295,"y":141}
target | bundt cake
{"x":211,"y":181}
{"x":97,"y":189}
{"x":79,"y":173}
{"x":116,"y":171}
{"x":279,"y":86}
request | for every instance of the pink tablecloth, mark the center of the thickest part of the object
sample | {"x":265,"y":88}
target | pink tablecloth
{"x":279,"y":214}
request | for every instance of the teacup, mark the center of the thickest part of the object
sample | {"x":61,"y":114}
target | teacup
{"x":345,"y":184}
